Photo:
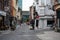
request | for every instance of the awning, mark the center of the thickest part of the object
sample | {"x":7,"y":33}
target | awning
{"x":55,"y":7}
{"x":46,"y":17}
{"x":2,"y":13}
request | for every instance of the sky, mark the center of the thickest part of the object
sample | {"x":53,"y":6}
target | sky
{"x":26,"y":4}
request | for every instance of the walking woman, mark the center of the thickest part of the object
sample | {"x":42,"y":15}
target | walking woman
{"x":36,"y":18}
{"x":32,"y":24}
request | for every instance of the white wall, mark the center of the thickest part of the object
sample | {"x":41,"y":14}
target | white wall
{"x":48,"y":2}
{"x":46,"y":11}
{"x":39,"y":2}
{"x":43,"y":24}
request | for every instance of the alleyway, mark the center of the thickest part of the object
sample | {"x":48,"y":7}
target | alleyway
{"x":23,"y":33}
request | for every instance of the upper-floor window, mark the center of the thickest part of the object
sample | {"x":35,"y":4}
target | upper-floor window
{"x":37,"y":1}
{"x":41,"y":11}
{"x":43,"y":2}
{"x":6,"y":2}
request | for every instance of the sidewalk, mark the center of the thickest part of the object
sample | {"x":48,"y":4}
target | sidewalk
{"x":4,"y":32}
{"x":7,"y":31}
{"x":49,"y":35}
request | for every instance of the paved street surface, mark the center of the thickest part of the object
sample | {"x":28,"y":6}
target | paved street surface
{"x":23,"y":33}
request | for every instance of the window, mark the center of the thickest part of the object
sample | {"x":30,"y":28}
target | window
{"x":1,"y":6}
{"x":42,"y":2}
{"x":6,"y":2}
{"x":37,"y":1}
{"x":41,"y":11}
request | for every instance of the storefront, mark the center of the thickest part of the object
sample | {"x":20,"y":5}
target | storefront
{"x":56,"y":8}
{"x":2,"y":20}
{"x":58,"y":17}
{"x":45,"y":22}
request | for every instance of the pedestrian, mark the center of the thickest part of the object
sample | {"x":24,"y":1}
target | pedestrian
{"x":13,"y":24}
{"x":32,"y":24}
{"x":20,"y":22}
{"x":36,"y":18}
{"x":37,"y":23}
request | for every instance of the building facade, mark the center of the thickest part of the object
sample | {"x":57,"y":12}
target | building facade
{"x":14,"y":7}
{"x":19,"y":14}
{"x":4,"y":7}
{"x":4,"y":4}
{"x":32,"y":10}
{"x":56,"y":8}
{"x":8,"y":6}
{"x":43,"y":8}
{"x":1,"y":5}
{"x":20,"y":3}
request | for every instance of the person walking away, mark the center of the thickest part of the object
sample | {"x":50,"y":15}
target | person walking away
{"x":32,"y":24}
{"x":20,"y":22}
{"x":36,"y":16}
{"x":37,"y":23}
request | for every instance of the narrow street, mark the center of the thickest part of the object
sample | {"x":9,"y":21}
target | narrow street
{"x":40,"y":13}
{"x":23,"y":33}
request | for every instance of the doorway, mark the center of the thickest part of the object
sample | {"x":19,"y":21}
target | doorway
{"x":58,"y":16}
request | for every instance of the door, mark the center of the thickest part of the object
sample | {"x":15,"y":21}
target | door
{"x":58,"y":17}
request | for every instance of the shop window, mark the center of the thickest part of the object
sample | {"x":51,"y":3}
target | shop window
{"x":50,"y":23}
{"x":42,"y":2}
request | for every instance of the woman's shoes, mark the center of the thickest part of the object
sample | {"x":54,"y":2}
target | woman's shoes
{"x":31,"y":29}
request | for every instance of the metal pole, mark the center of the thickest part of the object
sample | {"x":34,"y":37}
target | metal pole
{"x":35,"y":23}
{"x":58,"y":22}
